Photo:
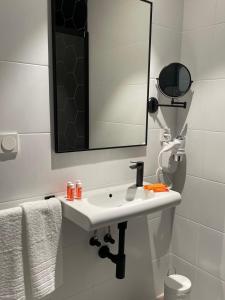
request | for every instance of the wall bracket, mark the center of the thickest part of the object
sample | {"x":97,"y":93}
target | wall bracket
{"x":153,"y":104}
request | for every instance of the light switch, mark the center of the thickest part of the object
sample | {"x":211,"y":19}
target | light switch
{"x":9,"y":143}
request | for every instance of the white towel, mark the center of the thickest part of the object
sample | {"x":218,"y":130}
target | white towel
{"x":11,"y":256}
{"x":43,"y":220}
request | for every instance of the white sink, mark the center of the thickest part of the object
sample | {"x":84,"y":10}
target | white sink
{"x":103,"y":207}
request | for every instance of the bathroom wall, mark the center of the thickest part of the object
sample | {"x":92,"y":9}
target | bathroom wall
{"x":37,"y":170}
{"x":199,"y":240}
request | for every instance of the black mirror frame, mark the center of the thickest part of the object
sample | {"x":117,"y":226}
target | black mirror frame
{"x":54,"y":94}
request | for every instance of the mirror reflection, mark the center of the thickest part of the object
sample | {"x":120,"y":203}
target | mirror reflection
{"x":101,"y":73}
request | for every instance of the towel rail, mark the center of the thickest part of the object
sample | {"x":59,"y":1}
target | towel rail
{"x":17,"y":202}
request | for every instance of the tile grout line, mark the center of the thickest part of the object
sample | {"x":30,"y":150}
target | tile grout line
{"x":198,"y":268}
{"x":201,"y":225}
{"x":203,"y":27}
{"x":173,"y":29}
{"x":24,"y":63}
{"x":205,"y":179}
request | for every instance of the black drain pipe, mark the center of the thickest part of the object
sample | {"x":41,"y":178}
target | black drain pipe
{"x":120,"y":258}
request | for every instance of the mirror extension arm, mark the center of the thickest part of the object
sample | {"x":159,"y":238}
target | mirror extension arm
{"x":153,"y":104}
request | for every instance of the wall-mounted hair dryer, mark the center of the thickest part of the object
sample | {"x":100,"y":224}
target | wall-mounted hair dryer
{"x":180,"y":150}
{"x":177,"y":146}
{"x":177,"y":149}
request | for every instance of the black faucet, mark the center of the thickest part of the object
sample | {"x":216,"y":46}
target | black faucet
{"x":139,"y":165}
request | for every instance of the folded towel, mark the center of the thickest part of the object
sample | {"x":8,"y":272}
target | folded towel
{"x":11,"y":256}
{"x":43,"y":220}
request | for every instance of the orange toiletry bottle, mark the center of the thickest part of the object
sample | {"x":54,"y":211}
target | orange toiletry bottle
{"x":79,"y":190}
{"x":70,"y":191}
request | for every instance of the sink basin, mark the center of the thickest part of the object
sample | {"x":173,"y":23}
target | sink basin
{"x":103,"y":207}
{"x":114,"y":197}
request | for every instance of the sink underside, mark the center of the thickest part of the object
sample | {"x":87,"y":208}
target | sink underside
{"x":103,"y":207}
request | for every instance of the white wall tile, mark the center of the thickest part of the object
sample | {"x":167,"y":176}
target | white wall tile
{"x":194,"y":153}
{"x":197,"y":52}
{"x":185,"y":239}
{"x":76,"y":279}
{"x":174,"y":16}
{"x":24,"y":98}
{"x":203,"y":202}
{"x":153,"y":150}
{"x":29,"y":170}
{"x":213,"y":167}
{"x":211,"y":254}
{"x":220,"y":11}
{"x":165,"y":48}
{"x":198,"y":13}
{"x":208,"y":287}
{"x":24,"y":31}
{"x":165,"y":117}
{"x":205,"y":154}
{"x":87,"y":295}
{"x":119,"y":290}
{"x":192,"y":199}
{"x":73,"y":235}
{"x":218,"y":43}
{"x":160,"y":234}
{"x":207,"y":63}
{"x":204,"y":92}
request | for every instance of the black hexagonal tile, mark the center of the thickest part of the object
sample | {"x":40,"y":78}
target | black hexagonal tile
{"x":80,"y":143}
{"x":58,"y":4}
{"x":72,"y":140}
{"x":60,"y":19}
{"x":81,"y":97}
{"x":70,"y":59}
{"x":69,"y":23}
{"x":62,"y":145}
{"x":70,"y":110}
{"x":67,"y":8}
{"x":60,"y":73}
{"x":61,"y":121}
{"x":80,"y":15}
{"x":79,"y":45}
{"x":80,"y":71}
{"x":71,"y":74}
{"x":70,"y":133}
{"x":70,"y":85}
{"x":70,"y":41}
{"x":60,"y":46}
{"x":60,"y":98}
{"x":81,"y":124}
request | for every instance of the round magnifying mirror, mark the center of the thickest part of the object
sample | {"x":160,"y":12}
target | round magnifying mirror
{"x":175,"y":80}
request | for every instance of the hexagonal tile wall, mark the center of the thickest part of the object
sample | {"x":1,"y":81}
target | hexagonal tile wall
{"x":71,"y":75}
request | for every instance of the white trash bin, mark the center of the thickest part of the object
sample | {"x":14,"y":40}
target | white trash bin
{"x":177,"y":287}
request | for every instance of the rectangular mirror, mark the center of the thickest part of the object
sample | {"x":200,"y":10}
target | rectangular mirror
{"x":101,"y":61}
